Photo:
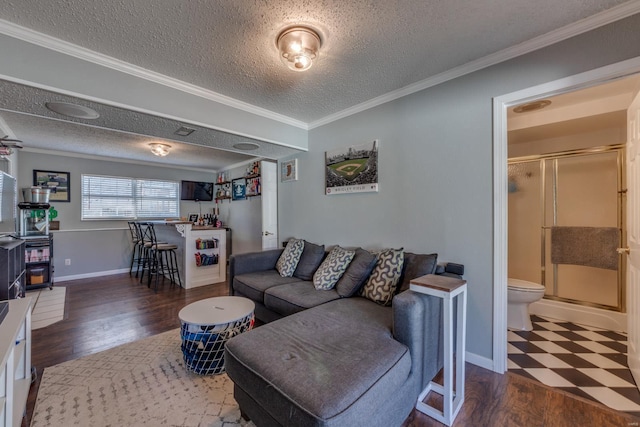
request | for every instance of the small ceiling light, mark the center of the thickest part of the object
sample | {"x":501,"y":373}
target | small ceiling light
{"x":160,"y":149}
{"x":298,"y":47}
{"x":532,"y":106}
{"x":246,"y":146}
{"x":72,"y":110}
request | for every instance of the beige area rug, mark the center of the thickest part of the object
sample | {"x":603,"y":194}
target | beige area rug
{"x":48,"y":306}
{"x":143,"y":383}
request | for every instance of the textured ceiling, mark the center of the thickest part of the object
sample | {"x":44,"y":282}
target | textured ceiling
{"x":370,"y":48}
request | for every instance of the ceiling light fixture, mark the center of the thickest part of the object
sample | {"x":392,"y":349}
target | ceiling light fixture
{"x":246,"y":146}
{"x":298,"y":47}
{"x":159,"y":149}
{"x":72,"y":110}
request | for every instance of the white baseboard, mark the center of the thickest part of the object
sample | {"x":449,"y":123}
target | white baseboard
{"x":90,"y":275}
{"x":477,"y":360}
{"x":590,"y":316}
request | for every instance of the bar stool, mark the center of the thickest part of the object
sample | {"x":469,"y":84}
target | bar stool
{"x":160,"y":259}
{"x":138,"y":247}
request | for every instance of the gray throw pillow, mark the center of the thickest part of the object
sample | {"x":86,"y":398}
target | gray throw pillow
{"x":356,"y":274}
{"x":382,"y":283}
{"x":416,"y":265}
{"x":289,"y":258}
{"x":332,"y":268}
{"x":312,"y":256}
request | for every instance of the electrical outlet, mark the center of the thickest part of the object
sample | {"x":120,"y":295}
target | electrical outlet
{"x":67,"y":261}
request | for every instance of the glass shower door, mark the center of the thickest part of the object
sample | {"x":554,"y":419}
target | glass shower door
{"x":583,"y":191}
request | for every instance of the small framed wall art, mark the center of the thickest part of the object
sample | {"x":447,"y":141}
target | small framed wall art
{"x":57,"y":182}
{"x":239,"y":189}
{"x":193,"y":217}
{"x":289,"y":170}
{"x":352,"y":169}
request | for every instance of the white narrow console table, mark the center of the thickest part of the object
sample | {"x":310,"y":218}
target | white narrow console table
{"x":447,"y":288}
{"x":210,"y":266}
{"x":15,"y":378}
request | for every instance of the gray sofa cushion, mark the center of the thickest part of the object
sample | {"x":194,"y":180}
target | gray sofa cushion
{"x":294,"y":297}
{"x":312,"y":256}
{"x":253,"y":285}
{"x":416,"y":265}
{"x":332,"y":364}
{"x":356,"y":274}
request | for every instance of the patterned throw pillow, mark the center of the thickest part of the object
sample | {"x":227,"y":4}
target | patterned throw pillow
{"x":332,"y":268}
{"x":289,"y":258}
{"x":385,"y":276}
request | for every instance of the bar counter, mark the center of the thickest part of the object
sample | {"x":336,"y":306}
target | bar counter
{"x":201,"y":253}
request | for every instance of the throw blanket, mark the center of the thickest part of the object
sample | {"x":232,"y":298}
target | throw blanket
{"x":588,"y":246}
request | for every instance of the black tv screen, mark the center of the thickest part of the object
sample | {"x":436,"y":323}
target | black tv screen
{"x":199,"y":191}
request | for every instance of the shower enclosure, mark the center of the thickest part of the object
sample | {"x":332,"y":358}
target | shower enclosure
{"x":565,"y":224}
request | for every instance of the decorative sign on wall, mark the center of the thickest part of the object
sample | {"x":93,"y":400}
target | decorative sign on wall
{"x":239,"y":189}
{"x":352,"y":170}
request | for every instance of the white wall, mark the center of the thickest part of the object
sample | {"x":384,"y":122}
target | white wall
{"x":435,"y":167}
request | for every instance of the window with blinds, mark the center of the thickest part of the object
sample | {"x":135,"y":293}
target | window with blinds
{"x":111,"y":197}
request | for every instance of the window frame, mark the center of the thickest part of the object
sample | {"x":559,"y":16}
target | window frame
{"x":136,"y":199}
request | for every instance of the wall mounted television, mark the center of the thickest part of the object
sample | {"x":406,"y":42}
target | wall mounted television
{"x":195,"y":190}
{"x":8,"y":205}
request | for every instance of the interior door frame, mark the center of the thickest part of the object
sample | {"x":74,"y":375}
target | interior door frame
{"x":500,"y":182}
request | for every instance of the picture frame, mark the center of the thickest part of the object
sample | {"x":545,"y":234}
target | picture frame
{"x":57,"y":182}
{"x":193,"y":217}
{"x":352,"y":169}
{"x":289,"y":170}
{"x":239,"y":189}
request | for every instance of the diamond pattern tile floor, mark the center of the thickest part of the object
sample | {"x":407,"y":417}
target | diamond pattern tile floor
{"x":586,"y":361}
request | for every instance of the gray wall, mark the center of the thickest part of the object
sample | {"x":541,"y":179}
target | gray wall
{"x":435,"y":167}
{"x":96,"y":246}
{"x":244,"y":217}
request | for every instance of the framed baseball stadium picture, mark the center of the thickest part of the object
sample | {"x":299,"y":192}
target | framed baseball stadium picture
{"x":352,"y":169}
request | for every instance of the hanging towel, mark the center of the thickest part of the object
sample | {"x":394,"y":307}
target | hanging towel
{"x":588,"y":246}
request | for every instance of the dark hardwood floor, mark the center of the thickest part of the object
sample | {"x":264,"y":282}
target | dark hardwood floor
{"x":102,"y":313}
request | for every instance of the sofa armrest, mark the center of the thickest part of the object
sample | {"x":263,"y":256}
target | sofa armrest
{"x":417,"y":323}
{"x":252,"y":262}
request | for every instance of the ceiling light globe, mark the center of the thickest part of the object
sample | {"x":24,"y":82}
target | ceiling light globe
{"x":298,"y":47}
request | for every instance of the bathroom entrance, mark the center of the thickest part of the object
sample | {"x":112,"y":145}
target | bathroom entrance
{"x":565,"y":226}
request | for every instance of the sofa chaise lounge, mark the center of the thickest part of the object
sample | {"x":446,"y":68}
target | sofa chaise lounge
{"x":333,"y":357}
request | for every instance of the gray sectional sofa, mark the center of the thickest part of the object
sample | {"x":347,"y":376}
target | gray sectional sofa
{"x":326,"y":359}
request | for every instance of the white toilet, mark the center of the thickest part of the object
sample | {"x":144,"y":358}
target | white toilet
{"x":520,"y":294}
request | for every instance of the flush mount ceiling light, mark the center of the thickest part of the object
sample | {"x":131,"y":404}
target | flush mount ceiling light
{"x":246,"y":146}
{"x":72,"y":110}
{"x":159,"y":149}
{"x":298,"y":47}
{"x":532,"y":106}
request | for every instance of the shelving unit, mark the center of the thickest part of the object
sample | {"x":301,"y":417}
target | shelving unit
{"x":224,"y":186}
{"x":12,"y":268}
{"x":15,"y":370}
{"x":39,"y":262}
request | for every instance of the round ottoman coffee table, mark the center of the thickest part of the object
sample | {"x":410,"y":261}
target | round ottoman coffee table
{"x":205,"y":327}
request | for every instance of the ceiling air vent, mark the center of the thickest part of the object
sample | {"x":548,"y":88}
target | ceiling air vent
{"x":184,"y":131}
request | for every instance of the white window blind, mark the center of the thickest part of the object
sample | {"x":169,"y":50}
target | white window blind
{"x":110,"y":197}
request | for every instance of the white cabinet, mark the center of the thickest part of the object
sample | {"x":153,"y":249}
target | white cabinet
{"x":15,"y":374}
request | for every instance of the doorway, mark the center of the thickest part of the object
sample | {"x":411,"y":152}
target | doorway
{"x":500,"y":179}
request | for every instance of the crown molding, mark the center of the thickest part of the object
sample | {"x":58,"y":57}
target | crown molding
{"x":52,"y":43}
{"x":603,"y":18}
